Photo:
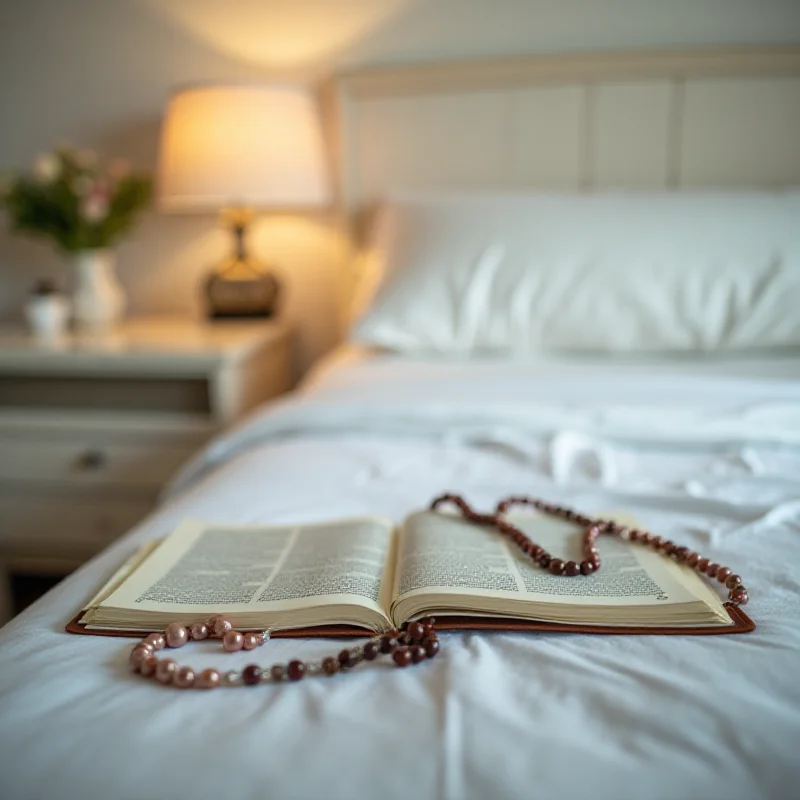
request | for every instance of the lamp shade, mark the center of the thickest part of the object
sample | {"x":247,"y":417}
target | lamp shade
{"x":241,"y":146}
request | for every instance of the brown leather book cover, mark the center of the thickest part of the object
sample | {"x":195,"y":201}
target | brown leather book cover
{"x":741,"y":624}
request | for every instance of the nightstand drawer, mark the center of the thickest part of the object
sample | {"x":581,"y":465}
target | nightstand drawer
{"x":89,"y":462}
{"x":31,"y":521}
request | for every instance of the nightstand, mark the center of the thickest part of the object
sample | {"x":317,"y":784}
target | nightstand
{"x":91,"y":427}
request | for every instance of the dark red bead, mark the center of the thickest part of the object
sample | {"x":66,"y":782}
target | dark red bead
{"x":634,"y":535}
{"x":388,"y":643}
{"x":371,"y":650}
{"x":544,"y":560}
{"x":733,"y":581}
{"x":416,"y":631}
{"x":645,"y":538}
{"x":692,"y":559}
{"x":402,"y":656}
{"x":656,"y":541}
{"x":417,"y":653}
{"x":681,"y":554}
{"x":711,"y":569}
{"x":571,"y":569}
{"x":296,"y":670}
{"x":723,"y":573}
{"x":345,"y":658}
{"x":587,"y":568}
{"x":277,"y":672}
{"x":330,"y":665}
{"x":739,"y":595}
{"x":404,"y":638}
{"x":556,"y":566}
{"x":702,"y":564}
{"x":668,"y":548}
{"x":431,"y":646}
{"x":251,"y":674}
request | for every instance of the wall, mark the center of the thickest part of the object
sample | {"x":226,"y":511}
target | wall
{"x":97,"y":72}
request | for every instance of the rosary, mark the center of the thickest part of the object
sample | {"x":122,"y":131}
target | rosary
{"x":417,"y":641}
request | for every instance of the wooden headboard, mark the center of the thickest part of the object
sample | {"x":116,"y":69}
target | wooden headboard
{"x":650,"y":119}
{"x":692,"y":118}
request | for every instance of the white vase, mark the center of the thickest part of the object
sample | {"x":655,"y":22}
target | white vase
{"x":97,"y":300}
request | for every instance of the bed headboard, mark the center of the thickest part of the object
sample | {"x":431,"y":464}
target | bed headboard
{"x":649,"y":119}
{"x":692,"y":118}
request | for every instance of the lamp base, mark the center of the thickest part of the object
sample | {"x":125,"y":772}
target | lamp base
{"x":241,"y":287}
{"x":241,"y":297}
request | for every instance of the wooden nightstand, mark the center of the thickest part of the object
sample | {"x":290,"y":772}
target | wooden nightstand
{"x":92,"y":427}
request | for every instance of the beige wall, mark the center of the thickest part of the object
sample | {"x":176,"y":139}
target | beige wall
{"x":96,"y":73}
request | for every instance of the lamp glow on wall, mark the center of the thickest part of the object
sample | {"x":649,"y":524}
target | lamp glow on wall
{"x":238,"y":149}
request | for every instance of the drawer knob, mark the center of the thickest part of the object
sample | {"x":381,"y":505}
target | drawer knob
{"x":90,"y":461}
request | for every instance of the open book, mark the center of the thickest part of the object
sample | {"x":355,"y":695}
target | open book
{"x":368,"y":574}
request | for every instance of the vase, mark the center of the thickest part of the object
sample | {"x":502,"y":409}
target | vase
{"x":97,"y":300}
{"x":47,"y":315}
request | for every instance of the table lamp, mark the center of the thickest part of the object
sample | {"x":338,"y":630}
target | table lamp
{"x":238,"y":149}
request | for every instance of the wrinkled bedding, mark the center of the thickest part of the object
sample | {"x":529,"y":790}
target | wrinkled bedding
{"x":705,"y":452}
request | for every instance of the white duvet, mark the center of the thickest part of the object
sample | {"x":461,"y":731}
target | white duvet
{"x":709,"y":455}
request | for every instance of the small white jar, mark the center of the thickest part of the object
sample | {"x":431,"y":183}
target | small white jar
{"x":47,"y":313}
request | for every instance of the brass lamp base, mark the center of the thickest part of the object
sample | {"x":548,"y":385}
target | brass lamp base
{"x":240,"y":287}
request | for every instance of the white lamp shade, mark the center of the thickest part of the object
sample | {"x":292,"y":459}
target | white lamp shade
{"x":241,"y":146}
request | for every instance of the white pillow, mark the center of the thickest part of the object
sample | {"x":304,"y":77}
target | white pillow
{"x":528,"y":273}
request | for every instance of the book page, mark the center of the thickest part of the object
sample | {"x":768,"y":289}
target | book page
{"x":444,"y":554}
{"x":202,"y":569}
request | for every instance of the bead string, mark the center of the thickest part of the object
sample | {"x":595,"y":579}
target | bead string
{"x":737,"y":594}
{"x":417,"y":641}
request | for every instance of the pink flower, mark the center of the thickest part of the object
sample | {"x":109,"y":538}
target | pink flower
{"x":94,"y":208}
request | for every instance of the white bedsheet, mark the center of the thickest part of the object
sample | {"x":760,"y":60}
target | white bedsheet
{"x":708,"y":455}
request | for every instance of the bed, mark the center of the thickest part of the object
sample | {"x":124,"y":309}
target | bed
{"x":703,"y":447}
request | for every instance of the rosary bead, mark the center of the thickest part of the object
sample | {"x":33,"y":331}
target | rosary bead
{"x":692,"y":559}
{"x":417,"y":653}
{"x":277,"y":672}
{"x":388,"y":643}
{"x":148,"y":668}
{"x":346,"y":658}
{"x":220,"y":626}
{"x":184,"y":678}
{"x":199,"y":631}
{"x":252,"y":640}
{"x":668,"y":548}
{"x":165,"y":671}
{"x":571,"y":569}
{"x":711,"y":569}
{"x":233,"y":641}
{"x":645,"y":537}
{"x":544,"y":561}
{"x":431,"y":646}
{"x":330,"y":665}
{"x":587,"y":568}
{"x":634,"y":535}
{"x":138,"y":656}
{"x":402,"y":656}
{"x":251,"y":674}
{"x":739,"y":595}
{"x":156,"y":641}
{"x":208,"y":679}
{"x":656,"y":542}
{"x":371,"y":650}
{"x":556,"y":566}
{"x":702,"y":565}
{"x":681,"y":553}
{"x":723,"y":573}
{"x":733,"y":581}
{"x":176,"y":635}
{"x":296,"y":670}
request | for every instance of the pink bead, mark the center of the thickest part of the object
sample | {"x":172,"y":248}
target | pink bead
{"x":220,"y":626}
{"x":156,"y":641}
{"x":165,"y":671}
{"x":184,"y":678}
{"x":233,"y":641}
{"x":148,"y":668}
{"x":176,"y":635}
{"x":252,"y":640}
{"x":199,"y":631}
{"x":138,"y":656}
{"x":207,"y":679}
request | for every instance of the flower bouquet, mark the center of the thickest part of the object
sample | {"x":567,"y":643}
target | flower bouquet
{"x":84,"y":207}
